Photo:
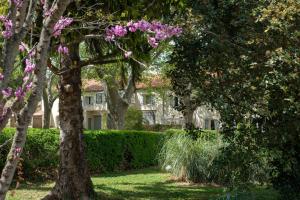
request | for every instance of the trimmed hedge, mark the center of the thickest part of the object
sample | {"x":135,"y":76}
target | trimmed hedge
{"x":106,"y":150}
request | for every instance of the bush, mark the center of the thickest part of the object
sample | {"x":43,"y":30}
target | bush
{"x":105,"y":150}
{"x":115,"y":150}
{"x":161,"y":127}
{"x":134,"y":119}
{"x":189,"y":159}
{"x":244,"y":163}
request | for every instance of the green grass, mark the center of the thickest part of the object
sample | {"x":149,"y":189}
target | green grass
{"x":139,"y":184}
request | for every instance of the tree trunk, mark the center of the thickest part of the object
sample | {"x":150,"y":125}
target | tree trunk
{"x":188,"y":112}
{"x":117,"y":104}
{"x":24,"y":117}
{"x":47,"y":110}
{"x":116,"y":107}
{"x":116,"y":115}
{"x":188,"y":119}
{"x":74,"y":181}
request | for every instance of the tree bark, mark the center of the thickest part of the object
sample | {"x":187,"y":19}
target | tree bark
{"x":74,"y":181}
{"x":116,"y":107}
{"x":117,"y":104}
{"x":24,"y":117}
{"x":47,"y":110}
{"x":189,"y":108}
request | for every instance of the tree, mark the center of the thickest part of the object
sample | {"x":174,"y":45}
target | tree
{"x":49,"y":97}
{"x":75,"y":182}
{"x":16,"y":25}
{"x":242,"y":58}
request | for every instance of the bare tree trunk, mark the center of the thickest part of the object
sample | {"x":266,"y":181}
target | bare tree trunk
{"x":74,"y":181}
{"x":188,"y":111}
{"x":47,"y":110}
{"x":116,"y":107}
{"x":117,"y":104}
{"x":188,"y":119}
{"x":24,"y":117}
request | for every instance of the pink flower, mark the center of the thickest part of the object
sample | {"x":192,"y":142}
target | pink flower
{"x":2,"y":18}
{"x":119,"y":30}
{"x":26,"y":78}
{"x":32,"y":52}
{"x":29,"y":86}
{"x":161,"y":35}
{"x":22,"y":47}
{"x":63,"y":49}
{"x":8,"y":28}
{"x":18,"y":150}
{"x":152,"y":41}
{"x":143,"y":25}
{"x":19,"y":93}
{"x":109,"y":35}
{"x":1,"y":77}
{"x":29,"y":66}
{"x":127,"y":54}
{"x":7,"y":92}
{"x":60,"y":25}
{"x":177,"y":31}
{"x":48,"y":13}
{"x":18,"y":3}
{"x":132,"y":27}
{"x":155,"y":25}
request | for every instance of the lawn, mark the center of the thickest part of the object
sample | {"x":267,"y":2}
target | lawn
{"x":140,"y":184}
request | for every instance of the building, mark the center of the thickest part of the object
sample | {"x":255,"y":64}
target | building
{"x":154,"y":99}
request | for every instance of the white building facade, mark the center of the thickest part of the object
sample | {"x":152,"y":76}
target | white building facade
{"x":156,"y":106}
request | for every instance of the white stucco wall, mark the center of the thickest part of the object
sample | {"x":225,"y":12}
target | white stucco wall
{"x":164,"y":112}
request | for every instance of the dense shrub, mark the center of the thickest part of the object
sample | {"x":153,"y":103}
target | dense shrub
{"x":191,"y":159}
{"x":134,"y":119}
{"x":113,"y":150}
{"x":40,"y":153}
{"x":244,"y":162}
{"x":106,"y":150}
{"x":161,"y":127}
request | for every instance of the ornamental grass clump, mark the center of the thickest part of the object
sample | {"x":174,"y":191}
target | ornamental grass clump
{"x":191,"y":159}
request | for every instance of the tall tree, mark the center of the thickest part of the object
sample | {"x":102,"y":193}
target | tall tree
{"x":16,"y":25}
{"x":49,"y":97}
{"x":242,"y":57}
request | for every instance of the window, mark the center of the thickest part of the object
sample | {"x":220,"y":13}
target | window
{"x":148,"y":99}
{"x":176,"y":101}
{"x":212,"y":125}
{"x":88,"y":100}
{"x":149,"y":117}
{"x":100,"y":98}
{"x":206,"y":124}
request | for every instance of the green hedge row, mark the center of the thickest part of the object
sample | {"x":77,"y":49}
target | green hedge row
{"x":106,"y":150}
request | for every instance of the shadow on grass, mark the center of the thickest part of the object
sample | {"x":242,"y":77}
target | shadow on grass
{"x":157,"y":189}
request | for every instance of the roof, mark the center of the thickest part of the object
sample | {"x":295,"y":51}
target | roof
{"x":154,"y":82}
{"x":93,"y":85}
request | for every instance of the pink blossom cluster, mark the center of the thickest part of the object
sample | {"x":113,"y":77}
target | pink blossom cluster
{"x":8,"y":27}
{"x":7,"y":92}
{"x":18,"y":3}
{"x":63,"y":49}
{"x":29,"y":66}
{"x":19,"y":93}
{"x":155,"y":31}
{"x":60,"y":25}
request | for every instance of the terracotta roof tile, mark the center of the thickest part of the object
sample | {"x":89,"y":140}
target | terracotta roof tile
{"x":92,"y":85}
